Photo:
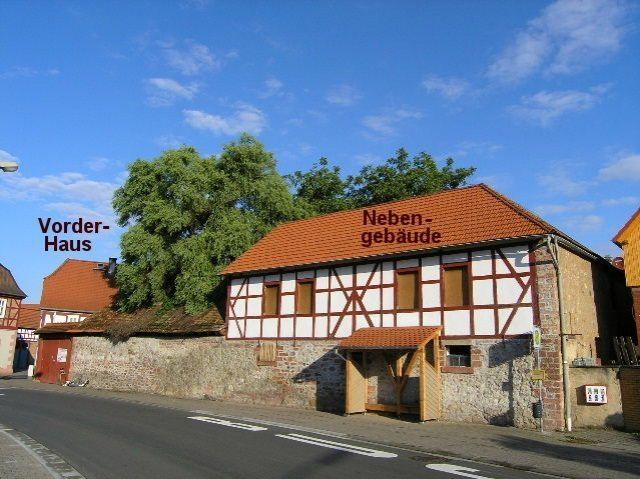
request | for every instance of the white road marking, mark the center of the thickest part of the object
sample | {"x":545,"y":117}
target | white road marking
{"x":223,"y":422}
{"x":457,"y":470}
{"x":338,"y":445}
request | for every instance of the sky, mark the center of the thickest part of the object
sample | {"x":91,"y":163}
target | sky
{"x":541,"y":97}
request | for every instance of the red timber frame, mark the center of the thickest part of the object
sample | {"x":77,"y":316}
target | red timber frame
{"x":353,"y":295}
{"x":12,"y":308}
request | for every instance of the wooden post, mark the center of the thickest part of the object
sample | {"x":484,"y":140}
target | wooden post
{"x":423,"y":385}
{"x":398,"y":385}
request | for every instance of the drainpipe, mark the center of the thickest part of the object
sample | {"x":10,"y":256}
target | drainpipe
{"x":555,"y":257}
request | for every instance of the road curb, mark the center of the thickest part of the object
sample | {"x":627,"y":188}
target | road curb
{"x":54,"y":464}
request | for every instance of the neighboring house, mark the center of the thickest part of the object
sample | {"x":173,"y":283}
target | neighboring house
{"x":11,"y":297}
{"x":27,"y":340}
{"x":628,"y":238}
{"x":467,"y":271}
{"x":75,"y":290}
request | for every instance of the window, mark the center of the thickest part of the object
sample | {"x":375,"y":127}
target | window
{"x":408,"y":293}
{"x":456,"y":286}
{"x":3,"y":307}
{"x":267,"y":351}
{"x":304,"y":297}
{"x":458,"y":356}
{"x":271,"y":299}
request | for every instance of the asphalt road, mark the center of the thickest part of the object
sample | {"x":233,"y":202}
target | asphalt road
{"x":105,"y":438}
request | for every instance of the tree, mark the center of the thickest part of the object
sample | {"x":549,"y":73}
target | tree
{"x":400,"y":177}
{"x":321,"y":190}
{"x":190,"y":216}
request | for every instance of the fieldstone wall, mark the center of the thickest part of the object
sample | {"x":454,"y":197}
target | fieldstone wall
{"x":596,"y":415}
{"x":499,"y":391}
{"x":307,"y":374}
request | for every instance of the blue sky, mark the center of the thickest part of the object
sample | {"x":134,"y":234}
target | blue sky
{"x":542,"y":97}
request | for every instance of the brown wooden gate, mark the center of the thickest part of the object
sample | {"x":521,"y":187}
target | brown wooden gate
{"x":54,"y":359}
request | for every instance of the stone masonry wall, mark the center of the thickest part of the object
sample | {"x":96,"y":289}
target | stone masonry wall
{"x":307,"y":374}
{"x":499,"y":390}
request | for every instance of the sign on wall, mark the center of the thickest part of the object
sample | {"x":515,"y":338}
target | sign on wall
{"x":537,"y":338}
{"x":596,"y":394}
{"x":62,"y":355}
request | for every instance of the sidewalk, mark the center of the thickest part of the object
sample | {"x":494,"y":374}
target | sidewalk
{"x":16,"y":462}
{"x":579,"y":454}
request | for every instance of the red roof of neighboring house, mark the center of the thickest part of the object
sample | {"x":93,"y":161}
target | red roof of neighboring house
{"x":466,"y":215}
{"x":78,"y":285}
{"x":29,"y":316}
{"x":410,"y":337}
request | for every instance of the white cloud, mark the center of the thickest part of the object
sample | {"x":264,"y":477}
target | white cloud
{"x":170,"y":141}
{"x":626,"y":167}
{"x":342,"y":95}
{"x":272,"y":87}
{"x":246,"y":118}
{"x":624,"y":200}
{"x":386,"y":124}
{"x":165,"y":91}
{"x":571,"y":206}
{"x":558,"y":180}
{"x":22,"y":71}
{"x":476,"y":148}
{"x":585,"y":223}
{"x":568,"y":36}
{"x":6,"y":156}
{"x":191,"y":60}
{"x":450,"y":88}
{"x":545,"y":106}
{"x":72,"y":194}
{"x":98,"y":163}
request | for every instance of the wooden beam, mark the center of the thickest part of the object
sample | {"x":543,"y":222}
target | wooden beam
{"x":423,"y":385}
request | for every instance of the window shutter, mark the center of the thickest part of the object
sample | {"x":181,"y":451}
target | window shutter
{"x":456,"y":286}
{"x":408,"y":295}
{"x":270,"y":299}
{"x":304,"y":299}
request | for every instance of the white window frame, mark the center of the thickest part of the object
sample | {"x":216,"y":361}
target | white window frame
{"x":3,"y":307}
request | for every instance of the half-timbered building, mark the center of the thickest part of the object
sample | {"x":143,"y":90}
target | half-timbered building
{"x":460,"y":278}
{"x":27,"y":339}
{"x":11,"y":297}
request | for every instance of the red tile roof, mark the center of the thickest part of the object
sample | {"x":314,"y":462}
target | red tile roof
{"x":411,"y":337}
{"x":465,"y":215}
{"x":29,"y":316}
{"x":56,"y":328}
{"x":78,"y":285}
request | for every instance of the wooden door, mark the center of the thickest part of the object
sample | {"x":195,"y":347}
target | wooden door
{"x":356,"y":393}
{"x":54,"y":354}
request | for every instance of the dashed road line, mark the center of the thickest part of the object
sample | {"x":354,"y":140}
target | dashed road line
{"x":54,"y":464}
{"x":338,"y":445}
{"x":224,"y":422}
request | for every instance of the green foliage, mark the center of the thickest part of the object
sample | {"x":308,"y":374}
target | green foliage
{"x":323,"y":190}
{"x":190,"y":216}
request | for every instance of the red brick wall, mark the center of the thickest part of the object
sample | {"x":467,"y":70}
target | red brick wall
{"x":630,"y":392}
{"x":550,"y":355}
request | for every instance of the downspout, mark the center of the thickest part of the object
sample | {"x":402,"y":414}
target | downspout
{"x":555,"y":257}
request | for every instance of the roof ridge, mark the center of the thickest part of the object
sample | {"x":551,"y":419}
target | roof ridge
{"x":521,"y":210}
{"x":350,"y":210}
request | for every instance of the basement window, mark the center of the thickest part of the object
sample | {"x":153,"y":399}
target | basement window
{"x":408,"y":290}
{"x":271,"y":299}
{"x":458,"y":356}
{"x":456,"y":286}
{"x":304,"y":297}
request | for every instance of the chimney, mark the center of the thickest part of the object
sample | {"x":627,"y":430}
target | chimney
{"x":111,"y":270}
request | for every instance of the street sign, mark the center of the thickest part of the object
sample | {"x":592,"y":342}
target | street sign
{"x":537,"y":338}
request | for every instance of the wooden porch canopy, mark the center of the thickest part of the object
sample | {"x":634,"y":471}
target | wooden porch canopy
{"x":402,"y":348}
